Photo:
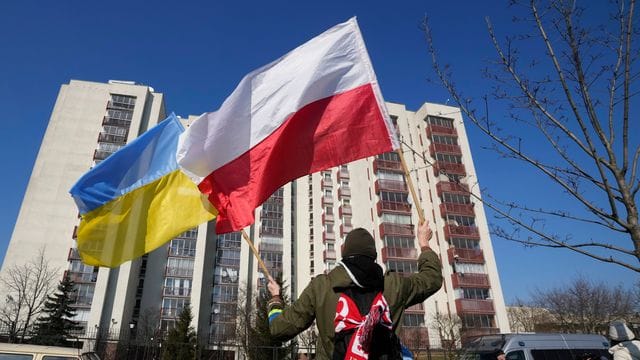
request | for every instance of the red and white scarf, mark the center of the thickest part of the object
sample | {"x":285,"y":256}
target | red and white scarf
{"x":348,"y":317}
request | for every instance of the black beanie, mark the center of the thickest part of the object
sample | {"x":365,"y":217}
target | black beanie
{"x":359,"y":242}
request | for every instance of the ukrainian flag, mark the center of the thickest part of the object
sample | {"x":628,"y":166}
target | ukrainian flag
{"x":137,"y":199}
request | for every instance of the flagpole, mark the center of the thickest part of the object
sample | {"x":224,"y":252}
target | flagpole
{"x":255,"y":252}
{"x":414,"y":195}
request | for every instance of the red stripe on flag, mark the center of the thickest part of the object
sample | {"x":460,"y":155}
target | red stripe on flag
{"x":326,"y":133}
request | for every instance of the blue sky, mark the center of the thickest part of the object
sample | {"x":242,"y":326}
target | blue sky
{"x":195,"y":53}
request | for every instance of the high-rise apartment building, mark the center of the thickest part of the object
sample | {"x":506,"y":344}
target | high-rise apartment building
{"x":298,"y":230}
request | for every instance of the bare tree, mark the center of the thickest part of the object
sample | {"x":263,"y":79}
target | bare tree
{"x":568,"y":111}
{"x":585,"y":306}
{"x":525,"y":317}
{"x":27,"y":287}
{"x":449,"y":328}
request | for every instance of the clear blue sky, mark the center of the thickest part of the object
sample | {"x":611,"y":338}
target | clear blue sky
{"x":196,"y":52}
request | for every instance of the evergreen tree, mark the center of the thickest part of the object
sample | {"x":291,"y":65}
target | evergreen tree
{"x":262,"y":346}
{"x":181,"y":340}
{"x":55,"y":326}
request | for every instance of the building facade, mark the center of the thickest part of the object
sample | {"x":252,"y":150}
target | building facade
{"x":298,"y":230}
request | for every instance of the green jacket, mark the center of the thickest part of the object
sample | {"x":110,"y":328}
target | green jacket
{"x":318,"y":301}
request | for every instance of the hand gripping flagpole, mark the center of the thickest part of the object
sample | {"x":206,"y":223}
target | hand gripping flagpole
{"x":414,"y":195}
{"x":255,"y":252}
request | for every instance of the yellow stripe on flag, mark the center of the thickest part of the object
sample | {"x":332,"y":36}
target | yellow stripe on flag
{"x":142,"y":220}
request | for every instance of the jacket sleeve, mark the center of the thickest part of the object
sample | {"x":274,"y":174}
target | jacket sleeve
{"x":418,"y":287}
{"x":290,"y":321}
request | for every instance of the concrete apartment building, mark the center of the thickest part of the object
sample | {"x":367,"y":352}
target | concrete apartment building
{"x":298,"y":230}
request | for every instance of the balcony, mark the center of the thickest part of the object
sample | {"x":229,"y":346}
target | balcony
{"x":461,"y":231}
{"x":329,"y":255}
{"x":379,"y":164}
{"x":327,"y":217}
{"x":451,"y":187}
{"x":390,"y":185}
{"x":81,"y":300}
{"x":327,"y":200}
{"x":73,"y":254}
{"x":343,"y":174}
{"x":396,"y":229}
{"x":345,"y":228}
{"x":264,"y":246}
{"x":344,"y":210}
{"x":474,"y":306}
{"x":393,"y":207}
{"x":473,"y":256}
{"x":326,"y":183}
{"x":442,"y":130}
{"x":444,"y":149}
{"x":110,"y":138}
{"x":459,"y":280}
{"x":328,"y":236}
{"x":176,"y":291}
{"x":449,"y":168}
{"x":415,"y":308}
{"x":179,"y":272}
{"x":74,"y":236}
{"x":181,"y":252}
{"x":82,"y":278}
{"x":118,"y":105}
{"x":460,"y":209}
{"x":344,"y":191}
{"x":101,"y":155}
{"x":116,"y":122}
{"x":398,"y":253}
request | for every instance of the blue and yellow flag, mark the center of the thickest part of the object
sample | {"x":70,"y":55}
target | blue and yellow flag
{"x":137,"y":199}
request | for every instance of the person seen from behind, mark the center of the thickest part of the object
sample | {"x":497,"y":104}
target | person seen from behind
{"x":357,"y":309}
{"x":624,"y":347}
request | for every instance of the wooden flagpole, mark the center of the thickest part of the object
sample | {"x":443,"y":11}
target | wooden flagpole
{"x":414,"y":195}
{"x":255,"y":252}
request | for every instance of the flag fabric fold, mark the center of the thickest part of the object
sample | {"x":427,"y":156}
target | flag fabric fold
{"x":137,"y":199}
{"x":317,"y":107}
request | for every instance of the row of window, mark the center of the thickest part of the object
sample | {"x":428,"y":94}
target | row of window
{"x":456,"y":198}
{"x":440,"y":121}
{"x":397,"y":197}
{"x":449,"y":158}
{"x":444,"y":139}
{"x":460,"y":220}
{"x":399,"y":242}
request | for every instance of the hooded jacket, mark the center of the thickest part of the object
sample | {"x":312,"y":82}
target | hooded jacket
{"x":626,"y":350}
{"x":319,"y":299}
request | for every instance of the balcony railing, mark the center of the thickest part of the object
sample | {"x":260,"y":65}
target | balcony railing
{"x":171,"y":271}
{"x":474,"y":306}
{"x":451,"y":187}
{"x":101,"y":155}
{"x":379,"y":164}
{"x":344,"y":210}
{"x":78,"y":277}
{"x":176,"y":291}
{"x":181,"y":252}
{"x":398,"y":253}
{"x":327,"y":217}
{"x":270,"y":247}
{"x":449,"y":168}
{"x":344,"y":229}
{"x":326,"y":183}
{"x":344,"y":191}
{"x":329,"y":255}
{"x":437,"y":129}
{"x":118,"y":105}
{"x":81,"y":300}
{"x":394,"y":207}
{"x":470,"y":280}
{"x":116,"y":122}
{"x":110,"y":138}
{"x":461,"y":231}
{"x":395,"y":229}
{"x":343,"y":174}
{"x":416,"y":308}
{"x":73,"y":254}
{"x":327,"y":200}
{"x":461,"y":209}
{"x":444,"y":148}
{"x":390,"y":185}
{"x":465,"y":255}
{"x":328,"y":236}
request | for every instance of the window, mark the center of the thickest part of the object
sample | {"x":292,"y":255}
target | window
{"x":328,"y":193}
{"x":396,"y":197}
{"x":180,"y":266}
{"x":115,"y":130}
{"x":189,"y":234}
{"x":229,"y":240}
{"x":478,"y":294}
{"x":462,"y":243}
{"x":109,"y":147}
{"x":413,"y":320}
{"x":465,"y":268}
{"x":396,"y":219}
{"x":328,"y":228}
{"x":182,"y":247}
{"x":402,"y":266}
{"x":477,"y":321}
{"x":449,"y":158}
{"x":390,"y":156}
{"x":328,"y":210}
{"x":326,"y":175}
{"x":7,"y":356}
{"x":387,"y":175}
{"x":440,"y":121}
{"x":459,"y":220}
{"x":399,"y":242}
{"x":552,"y":354}
{"x":456,"y":198}
{"x":442,"y":139}
{"x":516,"y":355}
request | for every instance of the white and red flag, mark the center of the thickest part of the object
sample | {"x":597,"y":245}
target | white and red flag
{"x":316,"y":107}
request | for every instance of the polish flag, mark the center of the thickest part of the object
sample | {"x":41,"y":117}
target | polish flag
{"x":316,"y":107}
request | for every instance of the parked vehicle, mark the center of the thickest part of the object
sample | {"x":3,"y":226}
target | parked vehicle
{"x":538,"y":347}
{"x":39,"y":352}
